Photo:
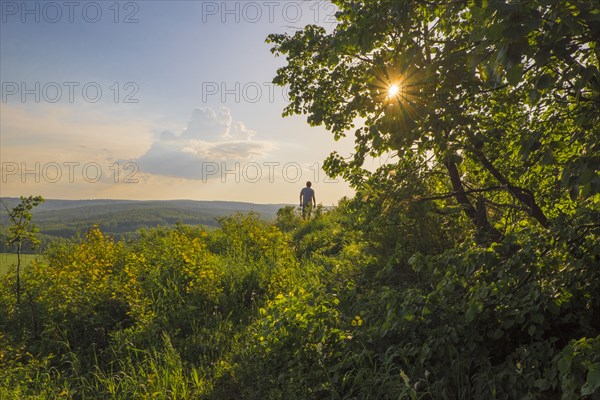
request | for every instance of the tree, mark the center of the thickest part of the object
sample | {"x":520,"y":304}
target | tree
{"x":497,"y":97}
{"x":22,"y":230}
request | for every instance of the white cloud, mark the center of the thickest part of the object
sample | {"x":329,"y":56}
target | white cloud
{"x":210,"y":137}
{"x":206,"y":124}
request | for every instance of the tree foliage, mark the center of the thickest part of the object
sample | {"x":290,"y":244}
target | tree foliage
{"x":499,"y":97}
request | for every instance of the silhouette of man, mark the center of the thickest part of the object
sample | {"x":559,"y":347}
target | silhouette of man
{"x":307,"y":200}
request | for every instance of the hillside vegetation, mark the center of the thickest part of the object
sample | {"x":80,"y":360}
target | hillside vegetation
{"x":324,"y":309}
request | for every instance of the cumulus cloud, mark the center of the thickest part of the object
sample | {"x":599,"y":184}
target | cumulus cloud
{"x":210,"y":137}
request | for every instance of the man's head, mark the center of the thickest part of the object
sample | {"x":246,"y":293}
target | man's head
{"x":308,"y":184}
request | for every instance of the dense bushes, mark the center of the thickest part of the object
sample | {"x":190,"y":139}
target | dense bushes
{"x":101,"y":313}
{"x":322,"y":311}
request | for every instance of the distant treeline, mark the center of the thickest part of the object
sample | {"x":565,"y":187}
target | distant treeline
{"x":120,"y":220}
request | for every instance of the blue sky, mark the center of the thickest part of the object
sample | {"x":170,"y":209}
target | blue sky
{"x":155,"y":100}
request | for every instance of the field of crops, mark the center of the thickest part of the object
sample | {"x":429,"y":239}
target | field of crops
{"x":9,"y":260}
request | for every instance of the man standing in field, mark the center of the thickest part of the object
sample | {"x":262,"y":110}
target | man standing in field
{"x":307,"y":200}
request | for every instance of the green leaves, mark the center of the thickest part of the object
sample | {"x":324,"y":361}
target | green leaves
{"x":592,"y":382}
{"x":474,"y":309}
{"x":545,"y":81}
{"x":515,"y":74}
{"x":579,"y":367}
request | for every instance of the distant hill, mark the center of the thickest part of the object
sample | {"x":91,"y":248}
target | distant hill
{"x":67,"y":218}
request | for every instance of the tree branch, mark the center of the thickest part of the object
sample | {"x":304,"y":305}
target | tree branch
{"x":478,"y":216}
{"x":454,"y":194}
{"x":523,"y":195}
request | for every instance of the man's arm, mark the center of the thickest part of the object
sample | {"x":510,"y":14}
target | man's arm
{"x":300,"y":199}
{"x":314,"y":200}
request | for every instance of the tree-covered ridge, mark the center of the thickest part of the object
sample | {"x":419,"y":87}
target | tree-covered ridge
{"x":121,"y":218}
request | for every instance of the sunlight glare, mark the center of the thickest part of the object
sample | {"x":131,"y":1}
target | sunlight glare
{"x":393,"y":90}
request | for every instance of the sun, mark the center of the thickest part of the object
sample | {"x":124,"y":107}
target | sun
{"x":393,"y":90}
